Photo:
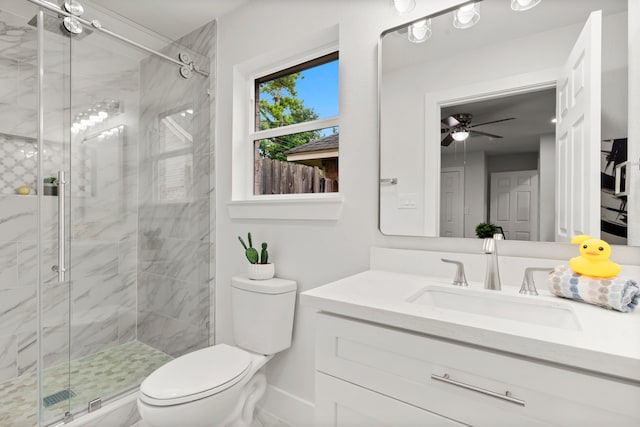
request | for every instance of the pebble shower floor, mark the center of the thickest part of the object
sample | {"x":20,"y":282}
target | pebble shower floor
{"x":102,"y":374}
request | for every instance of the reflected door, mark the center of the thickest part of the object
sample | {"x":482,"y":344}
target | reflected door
{"x":514,"y":204}
{"x":452,"y":202}
{"x":578,"y":136}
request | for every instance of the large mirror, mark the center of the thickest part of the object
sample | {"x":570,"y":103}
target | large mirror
{"x":519,"y":120}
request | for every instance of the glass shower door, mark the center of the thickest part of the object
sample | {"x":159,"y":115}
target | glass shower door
{"x":103,"y":192}
{"x":138,"y":196}
{"x":130,"y":225}
{"x":33,"y":307}
{"x":54,"y":45}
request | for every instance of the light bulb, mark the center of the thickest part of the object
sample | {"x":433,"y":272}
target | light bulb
{"x":460,"y":135}
{"x":522,"y":5}
{"x":94,"y":117}
{"x":102,"y":111}
{"x":420,"y":31}
{"x":466,"y":16}
{"x":84,"y":120}
{"x":404,"y":6}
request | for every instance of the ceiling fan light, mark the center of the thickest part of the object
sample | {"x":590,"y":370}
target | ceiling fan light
{"x":420,"y":31}
{"x":404,"y":6}
{"x":460,"y":135}
{"x":466,"y":16}
{"x":522,"y":5}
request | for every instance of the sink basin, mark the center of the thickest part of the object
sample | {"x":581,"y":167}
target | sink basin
{"x":495,"y":304}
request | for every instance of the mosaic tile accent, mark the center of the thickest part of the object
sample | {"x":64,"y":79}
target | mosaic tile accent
{"x":104,"y":374}
{"x":19,"y":158}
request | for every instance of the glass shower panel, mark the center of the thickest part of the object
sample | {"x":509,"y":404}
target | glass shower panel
{"x":55,"y":48}
{"x":18,"y":219}
{"x":173,"y":228}
{"x":103,"y":191}
{"x":137,"y":295}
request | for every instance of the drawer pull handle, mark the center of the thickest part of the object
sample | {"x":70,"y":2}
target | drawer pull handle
{"x":506,"y":396}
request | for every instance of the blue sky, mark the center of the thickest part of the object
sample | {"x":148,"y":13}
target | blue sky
{"x":319,"y":89}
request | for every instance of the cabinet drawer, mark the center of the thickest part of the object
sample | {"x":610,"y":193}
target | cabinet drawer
{"x":400,"y":364}
{"x":342,"y":404}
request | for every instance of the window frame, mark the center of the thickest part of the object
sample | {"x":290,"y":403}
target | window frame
{"x":243,"y":203}
{"x":312,"y":125}
{"x":157,"y":155}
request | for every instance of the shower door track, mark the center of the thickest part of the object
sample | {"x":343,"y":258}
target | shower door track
{"x":96,"y":25}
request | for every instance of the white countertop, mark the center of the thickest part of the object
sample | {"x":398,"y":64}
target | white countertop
{"x":607,"y":341}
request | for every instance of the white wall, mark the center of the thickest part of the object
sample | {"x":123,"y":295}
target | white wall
{"x":316,"y":253}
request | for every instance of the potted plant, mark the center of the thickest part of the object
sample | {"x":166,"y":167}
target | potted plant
{"x":486,"y":229}
{"x":259,"y":267}
{"x":50,"y":186}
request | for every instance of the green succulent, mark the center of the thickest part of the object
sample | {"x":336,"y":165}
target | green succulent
{"x":252,"y":254}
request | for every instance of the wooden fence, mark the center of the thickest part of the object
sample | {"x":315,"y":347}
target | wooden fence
{"x":277,"y":177}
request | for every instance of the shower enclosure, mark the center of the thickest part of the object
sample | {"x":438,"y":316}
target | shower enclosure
{"x":104,"y":208}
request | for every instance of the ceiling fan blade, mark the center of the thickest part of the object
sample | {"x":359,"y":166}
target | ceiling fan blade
{"x":447,"y":141}
{"x":494,"y":121}
{"x":449,"y":130}
{"x":450,"y":121}
{"x":478,"y":133}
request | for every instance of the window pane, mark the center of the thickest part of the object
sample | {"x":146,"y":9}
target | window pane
{"x":175,"y":178}
{"x":176,"y":130}
{"x":301,"y":95}
{"x":305,"y":162}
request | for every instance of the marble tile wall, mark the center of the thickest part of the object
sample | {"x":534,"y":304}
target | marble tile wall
{"x":175,"y":250}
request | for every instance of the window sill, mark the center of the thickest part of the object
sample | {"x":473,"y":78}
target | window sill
{"x":315,"y":207}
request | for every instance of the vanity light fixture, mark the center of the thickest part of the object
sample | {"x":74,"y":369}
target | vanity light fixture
{"x":522,"y":5}
{"x":459,"y":134}
{"x":466,"y":16}
{"x":404,"y":6}
{"x":420,"y":31}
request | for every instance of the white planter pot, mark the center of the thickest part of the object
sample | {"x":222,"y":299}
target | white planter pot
{"x":261,"y":271}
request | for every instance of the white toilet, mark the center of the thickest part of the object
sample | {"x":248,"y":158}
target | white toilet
{"x":220,"y":385}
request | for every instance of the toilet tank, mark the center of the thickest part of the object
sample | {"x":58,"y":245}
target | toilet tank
{"x":263,"y":313}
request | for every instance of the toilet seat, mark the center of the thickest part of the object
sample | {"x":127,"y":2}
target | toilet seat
{"x":196,"y":375}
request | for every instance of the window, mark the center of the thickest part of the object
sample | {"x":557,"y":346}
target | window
{"x":173,"y":157}
{"x":296,"y":135}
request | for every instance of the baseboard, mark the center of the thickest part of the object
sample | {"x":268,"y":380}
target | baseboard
{"x":291,"y":409}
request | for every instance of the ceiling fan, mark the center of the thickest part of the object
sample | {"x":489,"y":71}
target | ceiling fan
{"x":459,"y":128}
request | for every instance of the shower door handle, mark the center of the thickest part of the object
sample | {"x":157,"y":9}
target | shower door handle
{"x":61,"y":230}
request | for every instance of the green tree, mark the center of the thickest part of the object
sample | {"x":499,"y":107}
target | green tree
{"x":279,"y":106}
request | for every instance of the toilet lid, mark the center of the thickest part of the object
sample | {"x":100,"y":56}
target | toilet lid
{"x":196,"y":375}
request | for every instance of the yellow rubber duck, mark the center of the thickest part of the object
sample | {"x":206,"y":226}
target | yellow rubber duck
{"x":594,"y":258}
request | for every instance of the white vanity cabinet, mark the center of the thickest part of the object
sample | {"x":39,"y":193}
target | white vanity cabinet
{"x":371,"y":375}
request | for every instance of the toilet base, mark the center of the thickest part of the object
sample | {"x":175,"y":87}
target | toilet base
{"x":242,"y":415}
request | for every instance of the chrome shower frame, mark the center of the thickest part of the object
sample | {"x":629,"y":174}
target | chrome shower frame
{"x":187,"y":66}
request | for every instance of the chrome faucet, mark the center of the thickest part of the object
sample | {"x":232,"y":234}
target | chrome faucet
{"x":492,"y":276}
{"x":528,"y":284}
{"x":460,"y":279}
